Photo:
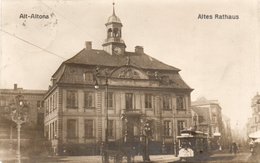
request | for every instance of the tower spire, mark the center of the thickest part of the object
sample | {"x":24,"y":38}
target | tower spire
{"x":114,"y":8}
{"x":113,"y":43}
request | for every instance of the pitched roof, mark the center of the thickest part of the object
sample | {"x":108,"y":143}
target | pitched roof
{"x":204,"y":102}
{"x":100,"y":57}
{"x":203,"y":112}
{"x":22,"y":91}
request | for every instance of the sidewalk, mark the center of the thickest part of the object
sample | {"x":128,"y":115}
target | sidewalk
{"x":88,"y":159}
{"x":158,"y":158}
{"x":97,"y":159}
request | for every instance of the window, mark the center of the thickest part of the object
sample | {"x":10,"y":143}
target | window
{"x":129,"y":101}
{"x":166,"y":102}
{"x":88,"y":99}
{"x":201,"y":119}
{"x":88,"y":76}
{"x":72,"y":99}
{"x":54,"y":101}
{"x":42,"y":103}
{"x":111,"y":129}
{"x":109,"y":33}
{"x":181,"y":126}
{"x":110,"y":99}
{"x":38,"y":103}
{"x":148,"y":101}
{"x":89,"y":129}
{"x":51,"y":106}
{"x":47,"y":107}
{"x":71,"y":128}
{"x":167,"y":128}
{"x":180,"y":103}
{"x":214,"y":118}
{"x":55,"y":128}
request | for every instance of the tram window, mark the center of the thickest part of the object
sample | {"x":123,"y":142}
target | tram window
{"x":185,"y":143}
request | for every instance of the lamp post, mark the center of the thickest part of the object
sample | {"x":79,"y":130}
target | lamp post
{"x":19,"y":118}
{"x":106,"y":159}
{"x":147,"y":134}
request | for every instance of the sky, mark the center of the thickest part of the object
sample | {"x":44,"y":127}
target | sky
{"x":219,"y":59}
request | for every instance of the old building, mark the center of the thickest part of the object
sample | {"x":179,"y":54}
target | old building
{"x":253,"y":123}
{"x":207,"y":117}
{"x":227,"y":136}
{"x":133,"y":88}
{"x":35,"y":113}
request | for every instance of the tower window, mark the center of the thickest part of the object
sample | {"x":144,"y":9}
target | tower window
{"x":116,"y":33}
{"x":109,"y":32}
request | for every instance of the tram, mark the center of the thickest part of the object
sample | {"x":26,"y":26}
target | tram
{"x":193,"y":145}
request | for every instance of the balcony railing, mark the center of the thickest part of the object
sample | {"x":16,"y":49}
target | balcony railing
{"x":132,"y":111}
{"x":114,"y":40}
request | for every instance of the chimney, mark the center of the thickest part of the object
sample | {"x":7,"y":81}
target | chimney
{"x":139,"y":49}
{"x":88,"y":45}
{"x":15,"y":86}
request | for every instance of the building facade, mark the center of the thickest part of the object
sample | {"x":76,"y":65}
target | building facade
{"x":253,"y":124}
{"x":207,"y":117}
{"x":227,"y":134}
{"x":35,"y":111}
{"x":134,"y":88}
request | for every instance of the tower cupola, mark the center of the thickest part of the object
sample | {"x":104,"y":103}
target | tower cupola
{"x":114,"y":44}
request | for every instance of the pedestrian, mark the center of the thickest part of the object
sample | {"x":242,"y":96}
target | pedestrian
{"x":234,"y":147}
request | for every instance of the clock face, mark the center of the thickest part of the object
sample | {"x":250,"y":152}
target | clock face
{"x":117,"y":50}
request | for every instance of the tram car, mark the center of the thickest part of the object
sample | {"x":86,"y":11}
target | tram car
{"x":193,"y":145}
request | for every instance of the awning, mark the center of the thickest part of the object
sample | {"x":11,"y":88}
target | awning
{"x":254,"y":135}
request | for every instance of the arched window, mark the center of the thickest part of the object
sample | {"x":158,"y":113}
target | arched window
{"x":109,"y":32}
{"x":115,"y":31}
{"x":119,"y":33}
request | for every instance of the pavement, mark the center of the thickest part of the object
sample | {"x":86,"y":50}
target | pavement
{"x":88,"y":159}
{"x":222,"y":157}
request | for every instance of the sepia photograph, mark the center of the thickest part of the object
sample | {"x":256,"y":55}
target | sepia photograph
{"x":124,"y":81}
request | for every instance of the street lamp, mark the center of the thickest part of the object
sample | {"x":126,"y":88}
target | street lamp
{"x":19,"y":118}
{"x":106,"y":130}
{"x":147,"y":134}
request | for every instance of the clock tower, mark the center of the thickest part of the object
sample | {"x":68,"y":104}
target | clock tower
{"x":113,"y":44}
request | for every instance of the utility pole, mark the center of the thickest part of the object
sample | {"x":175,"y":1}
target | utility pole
{"x":19,"y":118}
{"x":147,"y":134}
{"x":96,"y":85}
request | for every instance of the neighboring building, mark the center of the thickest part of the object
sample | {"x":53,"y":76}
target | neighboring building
{"x":139,"y":88}
{"x":253,"y":124}
{"x":32,"y":128}
{"x":207,"y":117}
{"x":227,"y":136}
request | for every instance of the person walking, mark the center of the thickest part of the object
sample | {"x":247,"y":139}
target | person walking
{"x":234,"y":148}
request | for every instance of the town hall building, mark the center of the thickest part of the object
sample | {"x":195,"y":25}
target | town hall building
{"x":115,"y":90}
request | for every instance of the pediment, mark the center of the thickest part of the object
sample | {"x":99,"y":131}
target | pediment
{"x":129,"y":72}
